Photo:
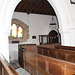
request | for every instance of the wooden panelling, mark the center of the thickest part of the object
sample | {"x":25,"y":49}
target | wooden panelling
{"x":64,"y":47}
{"x":41,"y":64}
{"x":46,"y":65}
{"x":29,"y":47}
{"x":55,"y":69}
{"x":32,"y":48}
{"x":61,"y":55}
{"x":33,"y":60}
{"x":49,"y":45}
{"x":67,"y":55}
{"x":45,"y":52}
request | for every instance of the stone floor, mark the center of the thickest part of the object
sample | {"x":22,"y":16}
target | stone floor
{"x":17,"y":67}
{"x":22,"y":71}
{"x":15,"y":64}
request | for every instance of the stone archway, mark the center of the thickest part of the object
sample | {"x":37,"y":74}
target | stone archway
{"x":7,"y":8}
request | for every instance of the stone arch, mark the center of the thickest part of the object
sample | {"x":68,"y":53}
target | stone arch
{"x":6,"y":12}
{"x":7,"y":8}
{"x":64,"y":23}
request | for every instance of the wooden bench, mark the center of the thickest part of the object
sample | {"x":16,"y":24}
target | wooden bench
{"x":37,"y":64}
{"x":66,"y":55}
{"x":64,"y":47}
{"x":6,"y":68}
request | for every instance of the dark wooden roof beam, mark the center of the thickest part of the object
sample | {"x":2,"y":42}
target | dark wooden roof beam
{"x":38,"y":8}
{"x":26,"y":5}
{"x":20,"y":5}
{"x":35,"y":6}
{"x":32,"y":7}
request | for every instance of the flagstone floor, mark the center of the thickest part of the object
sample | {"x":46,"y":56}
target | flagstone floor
{"x":20,"y":70}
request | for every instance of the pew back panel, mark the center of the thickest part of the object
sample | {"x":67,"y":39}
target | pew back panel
{"x":29,"y":47}
{"x":64,"y":47}
{"x":66,"y":55}
{"x":38,"y":64}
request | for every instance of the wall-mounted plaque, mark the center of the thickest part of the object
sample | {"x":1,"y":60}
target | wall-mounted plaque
{"x":33,"y":37}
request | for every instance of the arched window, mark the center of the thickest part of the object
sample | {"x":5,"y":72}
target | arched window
{"x":16,"y":31}
{"x":19,"y":31}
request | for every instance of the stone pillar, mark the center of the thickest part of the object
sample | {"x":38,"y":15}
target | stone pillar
{"x":65,"y":38}
{"x":64,"y":11}
{"x":68,"y":37}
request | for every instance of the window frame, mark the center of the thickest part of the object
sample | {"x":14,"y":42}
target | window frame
{"x":25,"y":31}
{"x":11,"y":37}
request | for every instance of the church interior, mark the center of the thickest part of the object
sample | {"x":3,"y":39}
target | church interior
{"x":40,"y":38}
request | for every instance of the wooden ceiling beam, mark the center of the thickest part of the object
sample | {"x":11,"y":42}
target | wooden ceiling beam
{"x":51,"y":11}
{"x":35,"y":6}
{"x":20,"y":5}
{"x":32,"y":7}
{"x":43,"y":8}
{"x":25,"y":7}
{"x":38,"y":7}
{"x":48,"y":9}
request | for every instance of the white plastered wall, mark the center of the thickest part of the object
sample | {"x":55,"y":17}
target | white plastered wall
{"x":6,"y":11}
{"x":38,"y":25}
{"x":65,"y":13}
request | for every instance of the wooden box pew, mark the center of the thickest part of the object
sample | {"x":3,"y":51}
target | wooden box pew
{"x":66,"y":55}
{"x":37,"y":64}
{"x":64,"y":47}
{"x":49,"y":45}
{"x":29,"y":47}
{"x":32,"y":48}
{"x":6,"y":68}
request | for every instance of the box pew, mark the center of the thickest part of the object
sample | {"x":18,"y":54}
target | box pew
{"x":64,"y":47}
{"x":29,"y":47}
{"x":6,"y":68}
{"x":37,"y":64}
{"x":49,"y":45}
{"x":66,"y":55}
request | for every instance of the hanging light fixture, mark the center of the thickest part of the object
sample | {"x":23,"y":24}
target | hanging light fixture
{"x":53,"y":21}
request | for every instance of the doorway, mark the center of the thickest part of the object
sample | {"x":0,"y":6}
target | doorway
{"x":53,"y":37}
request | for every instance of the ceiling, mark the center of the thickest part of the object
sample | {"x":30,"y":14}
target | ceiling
{"x":35,"y":6}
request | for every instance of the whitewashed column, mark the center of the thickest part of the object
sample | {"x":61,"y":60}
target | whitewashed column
{"x":6,"y":11}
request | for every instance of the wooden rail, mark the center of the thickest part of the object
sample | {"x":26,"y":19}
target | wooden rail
{"x":6,"y":68}
{"x":29,"y":47}
{"x":64,"y":47}
{"x":66,"y":55}
{"x":37,"y":64}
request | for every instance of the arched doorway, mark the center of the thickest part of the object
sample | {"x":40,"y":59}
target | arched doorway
{"x":53,"y":37}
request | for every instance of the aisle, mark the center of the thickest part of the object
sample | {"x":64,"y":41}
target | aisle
{"x":22,"y":71}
